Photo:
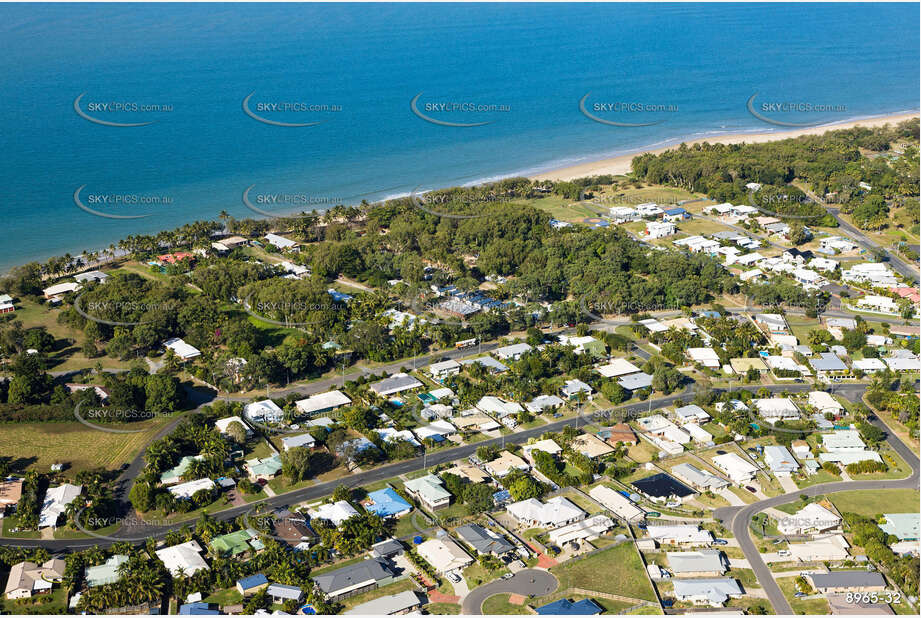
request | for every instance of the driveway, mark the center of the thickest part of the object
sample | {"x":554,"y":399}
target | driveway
{"x":788,"y":484}
{"x":529,"y":582}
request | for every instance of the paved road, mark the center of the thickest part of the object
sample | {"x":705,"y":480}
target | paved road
{"x":320,"y":490}
{"x":739,"y":518}
{"x":895,"y":261}
{"x":526,"y":582}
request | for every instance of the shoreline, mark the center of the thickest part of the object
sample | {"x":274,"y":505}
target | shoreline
{"x":620,"y":164}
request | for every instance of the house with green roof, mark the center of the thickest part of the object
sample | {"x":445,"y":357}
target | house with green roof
{"x":174,"y":475}
{"x":903,"y":526}
{"x":263,"y":469}
{"x":236,"y":543}
{"x":105,"y":573}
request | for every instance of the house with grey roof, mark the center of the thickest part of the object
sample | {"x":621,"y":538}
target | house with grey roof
{"x":699,"y":479}
{"x":484,"y":541}
{"x":397,"y":383}
{"x":700,"y":563}
{"x":827,"y":363}
{"x":712,"y":591}
{"x":779,"y":460}
{"x":847,"y":581}
{"x":354,"y":579}
{"x":399,"y":603}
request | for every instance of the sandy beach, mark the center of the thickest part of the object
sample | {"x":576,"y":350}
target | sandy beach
{"x":621,"y":164}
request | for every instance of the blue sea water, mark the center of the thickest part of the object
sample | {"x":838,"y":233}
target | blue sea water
{"x":701,"y":61}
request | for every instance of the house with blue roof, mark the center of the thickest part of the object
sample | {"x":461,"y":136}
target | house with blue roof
{"x":252,"y":584}
{"x":565,"y":607}
{"x":386,"y":503}
{"x":198,"y":609}
{"x":675,"y":214}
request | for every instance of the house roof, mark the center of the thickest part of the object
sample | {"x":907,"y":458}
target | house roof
{"x":845,"y":439}
{"x":827,"y":361}
{"x":386,"y":502}
{"x":591,"y":446}
{"x":443,"y":554}
{"x":282,"y":591}
{"x":233,"y":543}
{"x":565,"y":607}
{"x":183,"y":559}
{"x":483,"y":540}
{"x":322,"y":401}
{"x":616,"y":368}
{"x":635,"y":381}
{"x":553,"y":512}
{"x":396,"y":383}
{"x":336,"y":512}
{"x":716,"y":589}
{"x":662,"y":486}
{"x":253,"y":581}
{"x":701,"y":478}
{"x":701,"y":561}
{"x":389,"y":604}
{"x":902,"y":525}
{"x":847,"y":579}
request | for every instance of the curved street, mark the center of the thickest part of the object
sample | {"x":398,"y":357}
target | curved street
{"x":527,"y":582}
{"x":739,"y":518}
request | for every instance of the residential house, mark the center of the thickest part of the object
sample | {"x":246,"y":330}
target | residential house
{"x":776,"y":409}
{"x":543,"y":402}
{"x":354,"y":579}
{"x":547,"y":446}
{"x":28,"y":578}
{"x":583,"y":530}
{"x":699,"y":479}
{"x":444,"y":369}
{"x":281,"y":242}
{"x":691,"y":414}
{"x":236,"y":544}
{"x":700,"y":563}
{"x":566,"y":607}
{"x":397,"y":383}
{"x":824,"y":403}
{"x":185,"y":491}
{"x":322,"y":403}
{"x":553,"y":513}
{"x":430,"y":491}
{"x":780,"y":461}
{"x":679,"y":534}
{"x":504,"y":464}
{"x":304,"y":440}
{"x":847,"y":581}
{"x":222,"y":424}
{"x":406,"y":602}
{"x":336,"y":512}
{"x":264,"y":469}
{"x":265,"y":411}
{"x":663,"y":488}
{"x":280,"y":593}
{"x":512,"y":352}
{"x":621,"y":433}
{"x":707,"y":591}
{"x":903,"y":526}
{"x":55,"y":503}
{"x":249,"y":586}
{"x":811,"y":519}
{"x":105,"y":573}
{"x":183,"y":559}
{"x":573,"y":389}
{"x":617,"y":503}
{"x":387,"y":503}
{"x":616,"y":368}
{"x":445,"y":555}
{"x":484,"y":540}
{"x":830,"y":548}
{"x":736,"y":468}
{"x":181,"y":349}
{"x":591,"y":446}
{"x":657,"y":229}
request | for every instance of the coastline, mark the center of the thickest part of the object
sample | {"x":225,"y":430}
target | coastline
{"x":620,"y":165}
{"x":617,"y":165}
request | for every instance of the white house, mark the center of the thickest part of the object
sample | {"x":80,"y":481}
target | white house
{"x":824,"y":403}
{"x":443,"y":369}
{"x":780,"y":461}
{"x":501,"y":408}
{"x":55,"y":503}
{"x":336,"y":512}
{"x":322,"y":403}
{"x":183,"y":559}
{"x":660,"y":229}
{"x":265,"y":411}
{"x":182,"y":349}
{"x":776,"y":408}
{"x":584,"y":530}
{"x":736,"y":468}
{"x":222,"y":424}
{"x":184,"y":491}
{"x":280,"y":241}
{"x":617,"y":503}
{"x":512,"y":352}
{"x":679,"y":534}
{"x":304,"y":440}
{"x":444,"y":554}
{"x":553,"y":513}
{"x":813,"y":518}
{"x":705,"y":356}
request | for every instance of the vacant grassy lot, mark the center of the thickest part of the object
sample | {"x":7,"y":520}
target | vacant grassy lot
{"x":39,"y":445}
{"x":801,"y":606}
{"x":618,"y":570}
{"x":388,"y":590}
{"x":498,"y":604}
{"x":870,"y":503}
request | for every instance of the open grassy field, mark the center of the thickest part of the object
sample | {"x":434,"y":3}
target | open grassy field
{"x":38,"y":445}
{"x":443,"y":609}
{"x":870,"y":503}
{"x":618,"y":570}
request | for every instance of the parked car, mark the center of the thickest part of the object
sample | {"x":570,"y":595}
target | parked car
{"x":454,"y":577}
{"x":751,"y":489}
{"x":673,"y":505}
{"x":508,"y":576}
{"x":783,"y":552}
{"x":720,"y":542}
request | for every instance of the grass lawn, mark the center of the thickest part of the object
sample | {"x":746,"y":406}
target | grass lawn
{"x":586,"y":504}
{"x":405,"y":527}
{"x":228,"y":596}
{"x":498,"y":604}
{"x":476,"y":575}
{"x":822,"y":476}
{"x":388,"y":590}
{"x":745,"y":495}
{"x":801,"y":606}
{"x":642,"y":452}
{"x":53,"y":603}
{"x":871,"y":503}
{"x":443,"y":609}
{"x":84,"y":448}
{"x":618,"y":570}
{"x":11,"y":522}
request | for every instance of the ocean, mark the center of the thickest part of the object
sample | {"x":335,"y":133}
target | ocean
{"x":350,"y":74}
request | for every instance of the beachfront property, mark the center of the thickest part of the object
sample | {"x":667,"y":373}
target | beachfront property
{"x":322,"y":403}
{"x":56,"y":292}
{"x":6,"y":304}
{"x":280,"y":242}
